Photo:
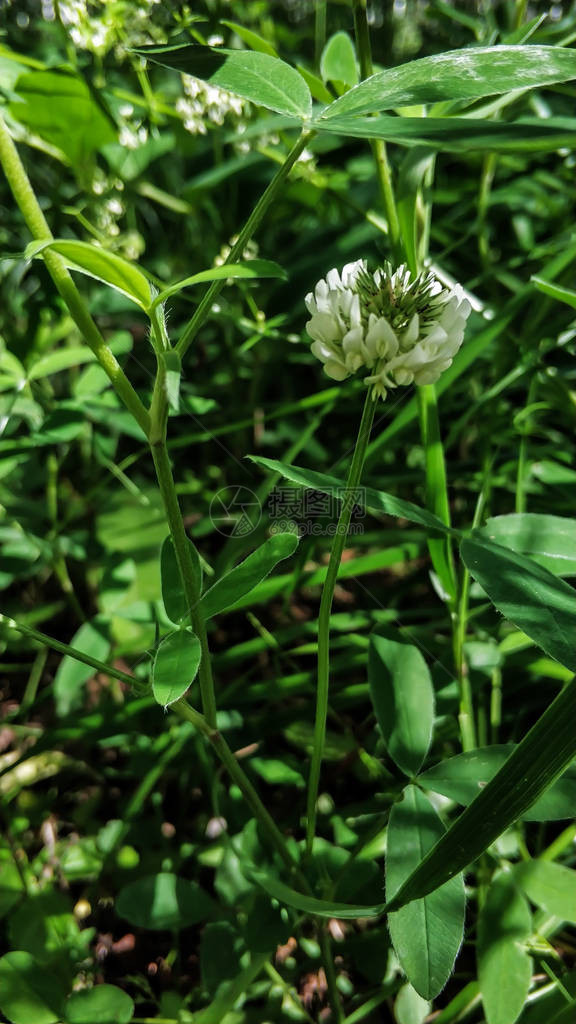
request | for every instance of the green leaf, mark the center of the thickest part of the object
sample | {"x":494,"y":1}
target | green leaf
{"x":172,"y":374}
{"x":219,"y":955}
{"x":504,"y":967}
{"x":234,"y":585}
{"x":540,"y":604}
{"x":60,"y":359}
{"x":544,"y":753}
{"x":29,"y":993}
{"x":59,"y":107}
{"x":106,"y":1004}
{"x":462,"y":777}
{"x":403,"y":697}
{"x":374,"y":501}
{"x":317,"y":88}
{"x":267,"y":926}
{"x":164,"y":901}
{"x":71,"y":675}
{"x":427,"y":933}
{"x":555,"y":291}
{"x":100,"y":264}
{"x":457,"y":134}
{"x":257,"y":77}
{"x":409,"y":1007}
{"x":550,"y":886}
{"x":254,"y":41}
{"x":466,"y":74}
{"x":176,"y":665}
{"x":338,"y":61}
{"x":310,"y":904}
{"x":251,"y":269}
{"x":173,"y":596}
{"x":548,"y":540}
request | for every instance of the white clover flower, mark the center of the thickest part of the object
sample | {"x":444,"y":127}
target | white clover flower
{"x":401,"y":327}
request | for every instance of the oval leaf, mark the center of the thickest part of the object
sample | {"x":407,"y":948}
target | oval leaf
{"x":550,"y":886}
{"x":164,"y":901}
{"x":366,"y":497}
{"x":106,"y":1004}
{"x":549,"y":540}
{"x":100,"y":264}
{"x":173,"y":596}
{"x":175,"y":666}
{"x":427,"y":933}
{"x":541,"y":605}
{"x":338,"y":61}
{"x":244,"y":577}
{"x":29,"y":993}
{"x":504,"y":967}
{"x":403,"y":698}
{"x":258,"y":77}
{"x":462,"y":74}
{"x":462,"y":777}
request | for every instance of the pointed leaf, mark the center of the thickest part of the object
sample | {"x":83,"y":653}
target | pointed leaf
{"x":252,"y":39}
{"x":250,"y":269}
{"x":427,"y":933}
{"x":374,"y":501}
{"x":555,"y":291}
{"x":175,"y":666}
{"x":540,"y":604}
{"x":462,"y":777}
{"x":549,"y":540}
{"x":257,"y":77}
{"x":403,"y":697}
{"x":173,"y":596}
{"x":504,"y":967}
{"x":244,"y":577}
{"x":459,"y":135}
{"x":68,"y":686}
{"x":310,"y":904}
{"x":550,"y":886}
{"x":99,"y":263}
{"x":544,"y":753}
{"x":338,"y":61}
{"x":459,"y":75}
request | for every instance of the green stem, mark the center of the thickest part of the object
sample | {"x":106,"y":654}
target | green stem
{"x":187,"y":571}
{"x":72,"y":652}
{"x":437,"y":489}
{"x":324,"y":615}
{"x":319,"y":32}
{"x":328,"y":961}
{"x":251,"y":225}
{"x":379,"y":150}
{"x":26,"y":199}
{"x":237,"y":774}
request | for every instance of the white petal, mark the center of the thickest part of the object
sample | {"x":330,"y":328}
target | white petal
{"x":335,"y":370}
{"x":324,"y":327}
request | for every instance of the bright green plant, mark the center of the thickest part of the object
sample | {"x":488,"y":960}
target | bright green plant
{"x":517,"y":560}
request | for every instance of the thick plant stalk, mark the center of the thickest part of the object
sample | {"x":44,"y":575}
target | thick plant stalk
{"x":323,"y":684}
{"x":25,"y":198}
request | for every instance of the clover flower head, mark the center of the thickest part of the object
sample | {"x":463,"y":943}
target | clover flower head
{"x":402,"y":328}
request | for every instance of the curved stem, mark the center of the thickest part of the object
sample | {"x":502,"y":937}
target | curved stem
{"x":323,"y":685}
{"x":251,"y":225}
{"x":26,"y":199}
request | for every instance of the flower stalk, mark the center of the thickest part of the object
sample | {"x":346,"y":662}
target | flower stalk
{"x":323,"y":681}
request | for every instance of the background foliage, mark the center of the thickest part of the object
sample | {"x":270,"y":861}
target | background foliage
{"x":125,"y":846}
